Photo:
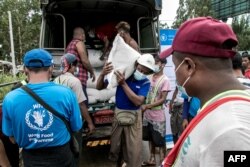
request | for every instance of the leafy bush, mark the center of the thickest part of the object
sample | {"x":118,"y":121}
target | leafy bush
{"x":7,"y":82}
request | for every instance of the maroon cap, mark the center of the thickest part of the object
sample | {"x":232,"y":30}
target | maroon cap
{"x":203,"y":36}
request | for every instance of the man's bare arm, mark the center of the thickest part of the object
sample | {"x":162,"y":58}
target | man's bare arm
{"x":134,"y":45}
{"x":86,"y":116}
{"x":84,"y":58}
{"x":4,"y":162}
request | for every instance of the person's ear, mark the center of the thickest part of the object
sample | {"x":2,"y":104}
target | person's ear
{"x":191,"y":66}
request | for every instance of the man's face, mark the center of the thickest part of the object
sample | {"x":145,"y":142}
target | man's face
{"x":245,"y":62}
{"x":144,"y":70}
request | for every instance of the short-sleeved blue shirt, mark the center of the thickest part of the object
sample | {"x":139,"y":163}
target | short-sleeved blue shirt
{"x":31,"y":124}
{"x":140,"y":88}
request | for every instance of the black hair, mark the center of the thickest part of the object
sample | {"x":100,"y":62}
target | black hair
{"x":74,"y":63}
{"x":237,"y":61}
{"x":36,"y":70}
{"x":245,"y":54}
{"x":163,"y":61}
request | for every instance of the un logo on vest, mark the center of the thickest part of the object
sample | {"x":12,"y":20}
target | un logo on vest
{"x":39,"y":119}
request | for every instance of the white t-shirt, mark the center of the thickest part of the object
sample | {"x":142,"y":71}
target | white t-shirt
{"x":227,"y":128}
{"x":69,"y":80}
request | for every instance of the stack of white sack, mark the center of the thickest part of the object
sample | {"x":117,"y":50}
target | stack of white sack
{"x":90,"y":83}
{"x":123,"y":58}
{"x":94,"y":58}
{"x":103,"y":95}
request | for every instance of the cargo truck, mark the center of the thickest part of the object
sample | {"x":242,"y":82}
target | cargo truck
{"x":60,"y":17}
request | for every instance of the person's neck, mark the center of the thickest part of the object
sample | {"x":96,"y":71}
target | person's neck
{"x":160,"y":73}
{"x":211,"y":88}
{"x":238,"y":73}
{"x":38,"y":78}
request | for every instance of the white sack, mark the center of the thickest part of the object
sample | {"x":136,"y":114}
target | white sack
{"x":123,"y":58}
{"x":112,"y":99}
{"x":101,"y":95}
{"x":92,"y":92}
{"x":106,"y":94}
{"x":94,"y":58}
{"x":92,"y":100}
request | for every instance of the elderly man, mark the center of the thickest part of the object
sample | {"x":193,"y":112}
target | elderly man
{"x":42,"y":135}
{"x":202,"y":50}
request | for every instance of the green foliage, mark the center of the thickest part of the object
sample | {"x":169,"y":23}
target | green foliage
{"x":190,"y":9}
{"x":4,"y":79}
{"x":195,"y":8}
{"x":26,"y":20}
{"x":163,"y":25}
{"x":241,"y":27}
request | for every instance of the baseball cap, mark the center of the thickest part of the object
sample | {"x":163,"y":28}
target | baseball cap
{"x":66,"y":60}
{"x":147,"y":60}
{"x":203,"y":36}
{"x":37,"y":58}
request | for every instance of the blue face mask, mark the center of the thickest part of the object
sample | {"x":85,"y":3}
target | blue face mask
{"x":181,"y":88}
{"x":139,"y":76}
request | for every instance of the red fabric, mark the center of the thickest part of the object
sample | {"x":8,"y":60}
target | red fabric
{"x":103,"y":120}
{"x":170,"y":159}
{"x":107,"y":29}
{"x":103,"y":116}
{"x":203,"y":36}
{"x":83,"y":73}
{"x":104,"y":112}
{"x":247,"y":73}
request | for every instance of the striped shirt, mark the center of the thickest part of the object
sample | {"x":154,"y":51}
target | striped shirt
{"x":83,"y":73}
{"x":244,"y":81}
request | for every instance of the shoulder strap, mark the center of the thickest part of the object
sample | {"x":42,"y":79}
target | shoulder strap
{"x":170,"y":159}
{"x":157,"y":85}
{"x":45,"y":105}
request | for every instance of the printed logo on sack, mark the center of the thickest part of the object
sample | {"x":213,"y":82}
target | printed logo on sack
{"x":36,"y":118}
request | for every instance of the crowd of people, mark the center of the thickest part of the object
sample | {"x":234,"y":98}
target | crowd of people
{"x":209,"y":107}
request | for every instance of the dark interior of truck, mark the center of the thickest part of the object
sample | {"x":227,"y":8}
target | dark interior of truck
{"x":97,"y":13}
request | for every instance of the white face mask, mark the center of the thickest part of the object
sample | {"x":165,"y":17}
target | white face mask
{"x":139,"y":76}
{"x":181,"y":88}
{"x":76,"y":71}
{"x":157,"y":68}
